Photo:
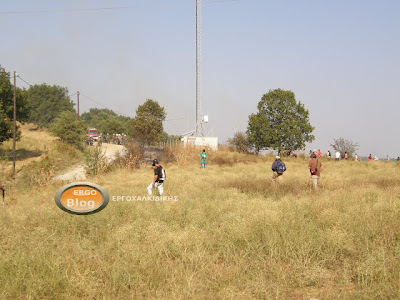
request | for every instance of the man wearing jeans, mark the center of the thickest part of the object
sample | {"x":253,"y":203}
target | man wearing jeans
{"x":203,"y":159}
{"x":315,"y":168}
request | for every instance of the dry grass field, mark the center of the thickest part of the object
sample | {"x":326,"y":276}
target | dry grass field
{"x":33,"y":144}
{"x":231,"y":234}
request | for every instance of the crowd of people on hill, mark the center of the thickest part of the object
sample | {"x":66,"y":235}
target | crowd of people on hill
{"x":115,"y":138}
{"x":278,"y":167}
{"x":339,"y":156}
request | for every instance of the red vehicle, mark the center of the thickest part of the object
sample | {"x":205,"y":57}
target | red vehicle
{"x":93,"y":133}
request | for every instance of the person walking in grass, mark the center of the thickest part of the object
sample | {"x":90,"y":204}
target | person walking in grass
{"x":278,"y":167}
{"x":203,"y":159}
{"x":328,"y":154}
{"x":158,"y":180}
{"x":315,"y":168}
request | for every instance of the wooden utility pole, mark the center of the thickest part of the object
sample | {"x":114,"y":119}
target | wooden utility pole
{"x":77,"y":95}
{"x":15,"y":123}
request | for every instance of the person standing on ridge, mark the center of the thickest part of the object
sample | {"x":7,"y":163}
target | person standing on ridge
{"x":203,"y":159}
{"x":337,"y":155}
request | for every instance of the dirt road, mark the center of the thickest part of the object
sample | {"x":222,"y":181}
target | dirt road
{"x":77,"y":173}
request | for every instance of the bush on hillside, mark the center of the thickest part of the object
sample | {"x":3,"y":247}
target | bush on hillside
{"x":95,"y":161}
{"x":131,"y":158}
{"x":69,"y":129}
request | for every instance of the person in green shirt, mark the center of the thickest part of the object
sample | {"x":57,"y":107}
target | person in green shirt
{"x":203,"y":159}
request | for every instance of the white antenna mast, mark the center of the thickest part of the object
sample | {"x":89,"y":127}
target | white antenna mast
{"x":199,"y":121}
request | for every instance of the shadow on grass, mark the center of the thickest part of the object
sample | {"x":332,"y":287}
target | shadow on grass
{"x":20,"y":154}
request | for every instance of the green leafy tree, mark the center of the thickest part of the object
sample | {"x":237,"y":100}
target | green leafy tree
{"x":239,"y":142}
{"x":5,"y":126}
{"x":147,"y":126}
{"x":170,"y":138}
{"x":256,"y":128}
{"x":106,"y":121}
{"x":7,"y":107}
{"x":47,"y":102}
{"x":343,"y":145}
{"x":281,"y":123}
{"x":69,"y":129}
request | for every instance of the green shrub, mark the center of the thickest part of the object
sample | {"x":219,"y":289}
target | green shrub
{"x":69,"y":129}
{"x":95,"y":161}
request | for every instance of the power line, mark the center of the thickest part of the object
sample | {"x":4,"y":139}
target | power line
{"x":87,"y":97}
{"x":99,"y":103}
{"x":24,"y":80}
{"x":18,"y":76}
{"x":174,"y":119}
{"x":77,"y":10}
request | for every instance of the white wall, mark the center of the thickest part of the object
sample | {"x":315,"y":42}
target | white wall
{"x":200,"y":141}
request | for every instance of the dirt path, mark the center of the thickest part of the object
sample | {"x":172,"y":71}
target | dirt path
{"x":78,"y":171}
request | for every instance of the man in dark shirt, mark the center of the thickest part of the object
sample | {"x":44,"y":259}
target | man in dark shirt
{"x":158,"y":180}
{"x":278,"y":167}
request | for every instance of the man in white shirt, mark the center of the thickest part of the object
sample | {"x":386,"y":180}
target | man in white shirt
{"x":337,"y":155}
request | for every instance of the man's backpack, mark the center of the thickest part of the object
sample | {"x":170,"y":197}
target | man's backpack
{"x":163,"y":174}
{"x":314,"y":172}
{"x":280,"y":168}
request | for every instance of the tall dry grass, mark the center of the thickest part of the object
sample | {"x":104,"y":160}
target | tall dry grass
{"x":231,"y":234}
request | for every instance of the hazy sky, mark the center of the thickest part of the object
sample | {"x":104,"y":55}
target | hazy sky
{"x":340,"y":58}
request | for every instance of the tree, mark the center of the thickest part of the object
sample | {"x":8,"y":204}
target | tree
{"x":343,"y":145}
{"x":165,"y":137}
{"x":6,"y":126}
{"x":257,"y":127}
{"x":68,"y":128}
{"x":7,"y":107}
{"x":281,"y":123}
{"x":147,"y":126}
{"x":239,"y":142}
{"x":47,"y":102}
{"x":106,"y":121}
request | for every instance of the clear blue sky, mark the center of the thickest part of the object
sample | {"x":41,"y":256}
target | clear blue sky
{"x":340,"y":58}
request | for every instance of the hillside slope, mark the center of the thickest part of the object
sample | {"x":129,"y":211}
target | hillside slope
{"x":223,"y":232}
